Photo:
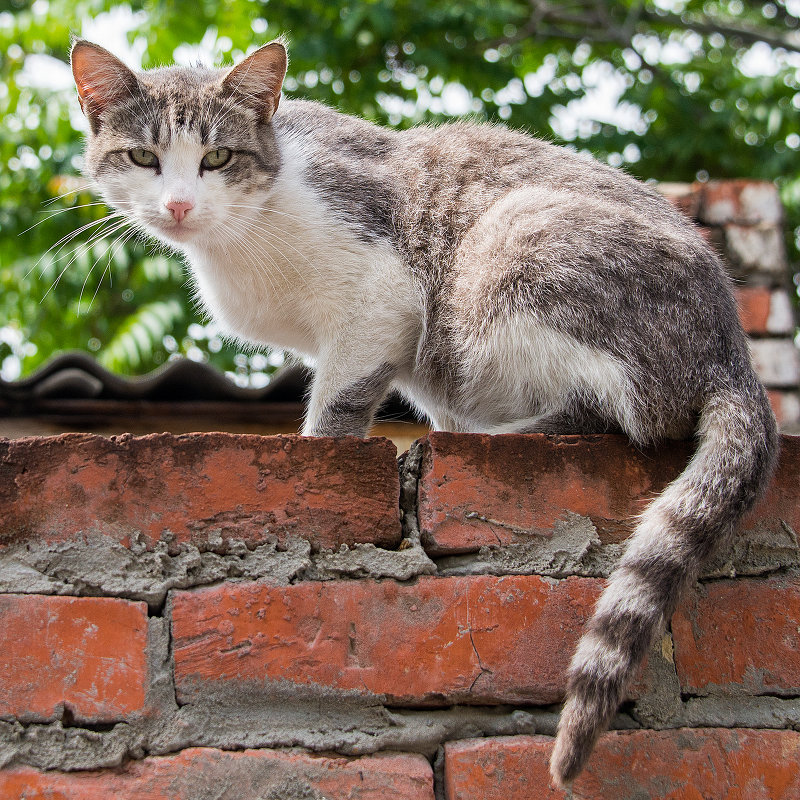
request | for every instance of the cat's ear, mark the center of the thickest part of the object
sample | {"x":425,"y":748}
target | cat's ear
{"x":258,"y":79}
{"x":102,"y":79}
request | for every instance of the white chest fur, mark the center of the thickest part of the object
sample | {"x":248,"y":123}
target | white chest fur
{"x":289,"y":273}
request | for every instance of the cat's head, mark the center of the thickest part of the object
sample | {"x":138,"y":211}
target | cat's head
{"x":184,"y":152}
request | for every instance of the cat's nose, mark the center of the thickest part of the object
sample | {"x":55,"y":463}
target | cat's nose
{"x":179,"y":209}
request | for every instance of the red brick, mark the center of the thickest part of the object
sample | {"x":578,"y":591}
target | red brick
{"x":193,"y":486}
{"x":479,"y":639}
{"x":477,"y":490}
{"x":765,"y":313}
{"x":199,"y":773}
{"x":754,"y":305}
{"x":743,"y":201}
{"x":86,"y":654}
{"x":786,"y":406}
{"x":740,"y":637}
{"x":683,"y":764}
{"x":753,"y":249}
{"x":685,"y":197}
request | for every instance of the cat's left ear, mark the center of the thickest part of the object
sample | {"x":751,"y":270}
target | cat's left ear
{"x":258,"y":79}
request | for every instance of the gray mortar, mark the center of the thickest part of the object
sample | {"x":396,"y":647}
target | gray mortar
{"x":368,"y":561}
{"x":662,"y":703}
{"x":284,"y":714}
{"x":94,"y":566}
{"x":438,"y":775}
{"x":756,"y":552}
{"x":575,"y":549}
{"x":317,"y":725}
{"x":409,"y":465}
{"x":739,"y":712}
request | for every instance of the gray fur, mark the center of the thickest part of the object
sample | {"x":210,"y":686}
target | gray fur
{"x":511,"y":285}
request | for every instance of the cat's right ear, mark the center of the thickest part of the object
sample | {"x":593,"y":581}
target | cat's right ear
{"x":102,"y":79}
{"x":258,"y":79}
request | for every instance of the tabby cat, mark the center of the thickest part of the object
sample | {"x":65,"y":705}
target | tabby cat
{"x":500,"y":283}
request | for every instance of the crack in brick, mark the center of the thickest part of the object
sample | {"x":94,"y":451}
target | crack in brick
{"x":483,"y":670}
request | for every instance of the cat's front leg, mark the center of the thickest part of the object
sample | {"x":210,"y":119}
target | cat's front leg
{"x":344,"y":400}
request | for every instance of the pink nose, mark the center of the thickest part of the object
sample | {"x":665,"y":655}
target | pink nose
{"x":179,"y":209}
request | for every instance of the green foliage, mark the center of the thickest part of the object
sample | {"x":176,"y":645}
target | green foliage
{"x":695,"y":110}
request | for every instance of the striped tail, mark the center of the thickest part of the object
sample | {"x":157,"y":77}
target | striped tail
{"x":674,"y":536}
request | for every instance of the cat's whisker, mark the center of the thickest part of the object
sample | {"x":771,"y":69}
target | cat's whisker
{"x":78,"y":189}
{"x":99,"y":284}
{"x":65,"y":240}
{"x":267,"y":210}
{"x":264,"y":226}
{"x":83,"y":248}
{"x":252,"y":255}
{"x":258,"y":253}
{"x":55,"y":213}
{"x":120,"y":242}
{"x":270,"y":233}
{"x":263,"y":223}
{"x":125,"y":236}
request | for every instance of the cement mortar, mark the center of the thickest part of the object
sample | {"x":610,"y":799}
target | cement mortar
{"x":739,"y":712}
{"x":575,"y":549}
{"x":368,"y":561}
{"x":313,"y":724}
{"x":660,"y":705}
{"x":94,"y":566}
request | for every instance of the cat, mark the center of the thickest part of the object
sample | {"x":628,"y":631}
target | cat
{"x":500,"y":283}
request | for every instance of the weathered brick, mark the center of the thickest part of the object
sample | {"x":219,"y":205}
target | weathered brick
{"x":753,"y":303}
{"x":755,"y":250}
{"x":744,"y":201}
{"x":739,"y":637}
{"x":199,"y":487}
{"x":786,"y":406}
{"x":683,"y":764}
{"x":781,"y":320}
{"x":478,"y":639}
{"x":777,"y":362}
{"x":204,"y":773}
{"x":497,"y":490}
{"x":86,"y":655}
{"x":765,"y":312}
{"x":685,"y":197}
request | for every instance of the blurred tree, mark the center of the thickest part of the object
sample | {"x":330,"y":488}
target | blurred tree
{"x":693,"y":88}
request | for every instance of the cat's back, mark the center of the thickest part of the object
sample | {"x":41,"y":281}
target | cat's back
{"x":461,"y":154}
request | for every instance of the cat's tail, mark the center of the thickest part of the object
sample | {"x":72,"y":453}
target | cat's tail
{"x":675,"y":534}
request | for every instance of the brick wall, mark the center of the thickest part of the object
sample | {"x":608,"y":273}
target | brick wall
{"x":222,"y":616}
{"x":743,"y":219}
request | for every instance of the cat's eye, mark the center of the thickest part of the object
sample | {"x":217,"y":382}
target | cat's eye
{"x":143,"y":158}
{"x":216,"y":158}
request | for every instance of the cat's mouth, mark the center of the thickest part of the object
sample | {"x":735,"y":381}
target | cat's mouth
{"x":179,"y":231}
